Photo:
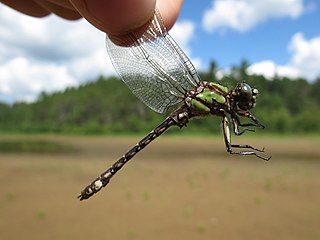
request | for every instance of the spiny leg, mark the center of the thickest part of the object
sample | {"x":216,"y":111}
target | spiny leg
{"x":253,"y":118}
{"x":105,"y":177}
{"x":236,"y":123}
{"x":230,"y":146}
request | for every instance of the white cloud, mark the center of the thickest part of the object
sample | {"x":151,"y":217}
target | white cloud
{"x":47,"y":54}
{"x":304,"y":61}
{"x":51,"y":54}
{"x":22,"y":80}
{"x":269,"y":69}
{"x":242,"y":15}
{"x":306,"y":55}
{"x":182,"y":32}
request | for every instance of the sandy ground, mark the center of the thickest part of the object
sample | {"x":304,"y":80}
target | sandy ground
{"x":178,"y":188}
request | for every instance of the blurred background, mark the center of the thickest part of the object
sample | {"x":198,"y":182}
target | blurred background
{"x":65,"y":117}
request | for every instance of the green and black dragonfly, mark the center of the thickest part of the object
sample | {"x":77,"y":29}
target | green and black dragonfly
{"x":160,"y":74}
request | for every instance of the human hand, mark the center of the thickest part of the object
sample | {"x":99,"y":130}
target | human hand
{"x":115,"y":17}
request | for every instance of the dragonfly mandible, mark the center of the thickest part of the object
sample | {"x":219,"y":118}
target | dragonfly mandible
{"x":161,"y":75}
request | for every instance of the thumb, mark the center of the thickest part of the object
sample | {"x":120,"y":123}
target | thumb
{"x":116,"y":17}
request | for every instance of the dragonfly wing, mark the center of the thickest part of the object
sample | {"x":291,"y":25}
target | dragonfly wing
{"x":153,"y":66}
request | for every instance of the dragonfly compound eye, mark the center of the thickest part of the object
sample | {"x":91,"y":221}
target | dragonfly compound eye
{"x":245,"y":92}
{"x":246,"y":96}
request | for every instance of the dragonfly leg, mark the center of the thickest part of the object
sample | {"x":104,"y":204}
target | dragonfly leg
{"x":253,"y":118}
{"x":248,"y":150}
{"x":236,"y":123}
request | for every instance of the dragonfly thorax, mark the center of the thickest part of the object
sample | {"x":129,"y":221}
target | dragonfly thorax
{"x":208,"y":98}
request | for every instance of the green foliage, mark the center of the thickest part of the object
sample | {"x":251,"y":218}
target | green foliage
{"x":107,"y":106}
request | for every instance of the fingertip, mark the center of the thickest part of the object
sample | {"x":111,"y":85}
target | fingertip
{"x":66,"y":11}
{"x":169,"y":11}
{"x":27,"y":7}
{"x":115,"y":16}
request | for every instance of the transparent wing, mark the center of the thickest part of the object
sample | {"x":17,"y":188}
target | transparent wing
{"x":153,"y":66}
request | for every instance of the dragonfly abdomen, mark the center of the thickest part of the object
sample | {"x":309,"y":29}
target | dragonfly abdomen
{"x":105,"y":177}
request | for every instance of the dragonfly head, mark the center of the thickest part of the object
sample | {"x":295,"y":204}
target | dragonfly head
{"x":245,"y":96}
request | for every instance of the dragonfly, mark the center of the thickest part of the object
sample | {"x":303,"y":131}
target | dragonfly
{"x":161,"y":75}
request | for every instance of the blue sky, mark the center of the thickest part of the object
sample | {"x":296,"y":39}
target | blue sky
{"x":50,"y":54}
{"x":267,"y":39}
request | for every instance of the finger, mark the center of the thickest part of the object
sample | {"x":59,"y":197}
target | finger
{"x":62,"y":8}
{"x":116,"y":17}
{"x":169,"y":10}
{"x":30,"y":8}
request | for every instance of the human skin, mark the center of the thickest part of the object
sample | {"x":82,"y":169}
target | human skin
{"x":115,"y":17}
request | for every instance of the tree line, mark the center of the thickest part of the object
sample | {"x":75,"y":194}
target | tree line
{"x":107,"y":106}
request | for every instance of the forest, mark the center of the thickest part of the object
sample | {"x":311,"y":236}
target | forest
{"x":107,"y":106}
